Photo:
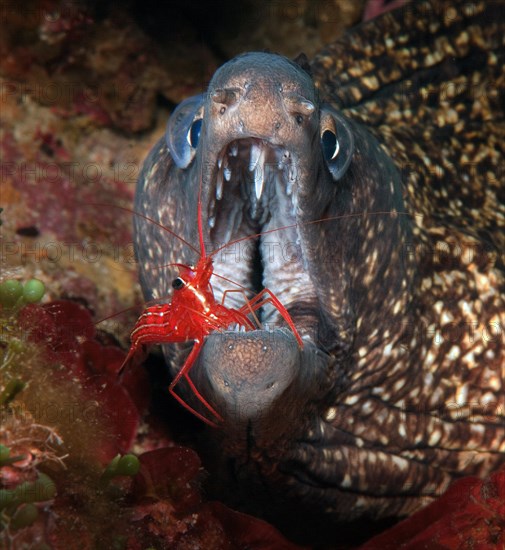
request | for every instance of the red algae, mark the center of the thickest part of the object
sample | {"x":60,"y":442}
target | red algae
{"x":80,"y":413}
{"x":471,"y":514}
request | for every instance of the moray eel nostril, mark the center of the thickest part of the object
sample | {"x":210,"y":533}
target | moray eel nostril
{"x":387,"y":173}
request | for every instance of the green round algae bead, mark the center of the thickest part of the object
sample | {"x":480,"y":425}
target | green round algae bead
{"x":128,"y":465}
{"x":4,"y":452}
{"x":33,"y":291}
{"x":10,"y":391}
{"x":44,"y":487}
{"x":24,"y":492}
{"x":10,"y":292}
{"x":111,"y":468}
{"x":24,"y":516}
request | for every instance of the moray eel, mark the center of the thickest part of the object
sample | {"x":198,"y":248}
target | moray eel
{"x":394,"y":150}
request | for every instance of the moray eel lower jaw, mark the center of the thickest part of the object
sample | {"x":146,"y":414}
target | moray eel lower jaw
{"x":261,"y":382}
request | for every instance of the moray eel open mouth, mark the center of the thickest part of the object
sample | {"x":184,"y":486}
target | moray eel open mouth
{"x":249,"y":215}
{"x":252,"y":147}
{"x":253,"y":194}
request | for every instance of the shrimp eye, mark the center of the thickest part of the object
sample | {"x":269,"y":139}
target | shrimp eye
{"x":178,"y":283}
{"x":330,"y":145}
{"x":194,"y":133}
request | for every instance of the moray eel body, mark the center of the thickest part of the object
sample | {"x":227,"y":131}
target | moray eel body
{"x":399,"y":291}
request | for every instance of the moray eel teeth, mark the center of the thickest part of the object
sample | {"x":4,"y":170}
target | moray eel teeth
{"x":254,"y":165}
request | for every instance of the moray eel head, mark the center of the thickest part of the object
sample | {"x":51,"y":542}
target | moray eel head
{"x":253,"y":146}
{"x":323,"y":203}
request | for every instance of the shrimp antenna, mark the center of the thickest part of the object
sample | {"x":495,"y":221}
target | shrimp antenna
{"x":310,"y":222}
{"x":158,"y":224}
{"x":200,"y":224}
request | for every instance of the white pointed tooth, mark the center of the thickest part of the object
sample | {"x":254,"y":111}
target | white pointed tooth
{"x":219,"y":162}
{"x":227,"y":173}
{"x":234,"y":150}
{"x":284,"y":160}
{"x":212,"y":221}
{"x":219,"y":188}
{"x":292,"y":174}
{"x":255,"y":155}
{"x":228,"y":234}
{"x":259,"y":181}
{"x":294,"y":203}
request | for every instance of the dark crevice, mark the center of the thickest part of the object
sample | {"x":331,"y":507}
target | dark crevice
{"x":29,"y":231}
{"x":165,"y":103}
{"x":257,"y":280}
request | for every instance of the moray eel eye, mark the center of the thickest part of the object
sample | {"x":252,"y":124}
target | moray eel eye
{"x":178,"y":283}
{"x":193,"y":136}
{"x":337,"y":141}
{"x":330,"y":145}
{"x":183,"y":130}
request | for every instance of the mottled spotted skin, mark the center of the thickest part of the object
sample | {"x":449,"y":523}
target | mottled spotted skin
{"x":399,"y":389}
{"x":439,"y":113}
